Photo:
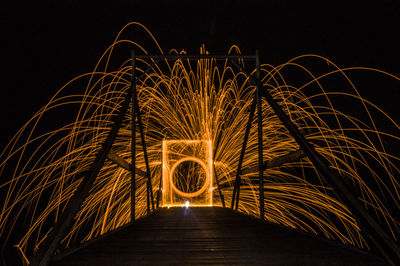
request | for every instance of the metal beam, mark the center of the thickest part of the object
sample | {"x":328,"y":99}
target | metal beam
{"x":142,"y":138}
{"x":159,"y":191}
{"x":219,"y":187}
{"x":236,"y":188}
{"x":292,"y":156}
{"x":112,"y":156}
{"x":196,"y":57}
{"x":216,"y":146}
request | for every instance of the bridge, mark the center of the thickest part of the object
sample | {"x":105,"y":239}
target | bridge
{"x":183,"y":226}
{"x":203,"y":235}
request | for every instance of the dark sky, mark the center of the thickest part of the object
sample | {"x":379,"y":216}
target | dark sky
{"x":45,"y":45}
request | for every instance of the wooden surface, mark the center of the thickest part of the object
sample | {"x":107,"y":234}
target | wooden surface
{"x":197,"y":236}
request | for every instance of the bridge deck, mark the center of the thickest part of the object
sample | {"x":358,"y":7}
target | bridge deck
{"x":210,"y":236}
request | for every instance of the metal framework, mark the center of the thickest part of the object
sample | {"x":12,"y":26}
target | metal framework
{"x":385,"y":245}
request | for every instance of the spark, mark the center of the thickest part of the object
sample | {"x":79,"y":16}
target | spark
{"x":206,"y":100}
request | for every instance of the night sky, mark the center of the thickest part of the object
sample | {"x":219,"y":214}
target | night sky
{"x":44,"y":46}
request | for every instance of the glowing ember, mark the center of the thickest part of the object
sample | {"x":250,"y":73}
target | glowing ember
{"x":203,"y":101}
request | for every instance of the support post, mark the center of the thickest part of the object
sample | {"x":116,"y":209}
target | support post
{"x":133,"y":137}
{"x":219,"y":187}
{"x":147,"y":196}
{"x":159,"y":191}
{"x":215,"y":172}
{"x":260,"y":138}
{"x":136,"y":111}
{"x":236,"y":188}
{"x":146,"y":159}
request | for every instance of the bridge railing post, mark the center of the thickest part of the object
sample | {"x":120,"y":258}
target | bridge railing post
{"x":150,"y":198}
{"x":216,"y":146}
{"x":159,"y":192}
{"x":219,"y":187}
{"x":236,"y":188}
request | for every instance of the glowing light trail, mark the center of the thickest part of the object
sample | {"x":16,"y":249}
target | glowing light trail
{"x":203,"y":100}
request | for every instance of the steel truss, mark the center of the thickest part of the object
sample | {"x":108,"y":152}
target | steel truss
{"x":374,"y":232}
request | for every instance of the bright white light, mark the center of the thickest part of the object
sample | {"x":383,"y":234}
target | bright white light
{"x":187,"y":204}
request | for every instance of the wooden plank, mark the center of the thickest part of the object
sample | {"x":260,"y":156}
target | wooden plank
{"x":187,"y":236}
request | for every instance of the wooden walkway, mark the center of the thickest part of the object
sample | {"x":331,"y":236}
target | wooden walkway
{"x":198,"y":236}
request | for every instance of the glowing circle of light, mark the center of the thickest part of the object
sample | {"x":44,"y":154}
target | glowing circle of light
{"x":184,"y":194}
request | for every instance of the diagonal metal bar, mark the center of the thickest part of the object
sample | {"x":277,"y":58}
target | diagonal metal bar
{"x":112,"y":156}
{"x":276,"y":162}
{"x":136,"y":113}
{"x":146,"y":159}
{"x":49,"y":245}
{"x":219,"y":187}
{"x":386,"y":246}
{"x":215,"y":172}
{"x":236,"y":188}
